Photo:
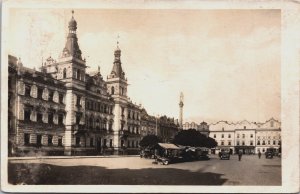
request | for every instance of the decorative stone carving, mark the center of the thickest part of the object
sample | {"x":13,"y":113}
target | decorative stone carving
{"x":33,"y":91}
{"x":21,"y":88}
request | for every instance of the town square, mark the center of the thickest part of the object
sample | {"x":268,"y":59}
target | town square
{"x":133,"y":170}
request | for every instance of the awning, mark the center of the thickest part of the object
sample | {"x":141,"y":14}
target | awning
{"x":168,"y":146}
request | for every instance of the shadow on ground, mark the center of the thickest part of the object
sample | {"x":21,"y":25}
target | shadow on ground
{"x":42,"y":174}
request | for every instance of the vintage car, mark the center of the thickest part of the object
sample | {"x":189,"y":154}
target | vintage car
{"x":168,"y":153}
{"x":224,"y":154}
{"x":270,"y":152}
{"x":147,"y":153}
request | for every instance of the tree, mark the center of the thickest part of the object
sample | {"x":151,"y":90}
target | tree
{"x":149,"y":141}
{"x":192,"y":137}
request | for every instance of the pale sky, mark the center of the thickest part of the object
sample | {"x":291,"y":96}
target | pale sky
{"x":226,"y":62}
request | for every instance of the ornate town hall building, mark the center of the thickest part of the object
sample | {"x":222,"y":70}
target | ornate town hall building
{"x":62,"y":110}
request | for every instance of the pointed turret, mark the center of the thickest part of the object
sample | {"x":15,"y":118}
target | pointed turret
{"x":117,"y":70}
{"x":72,"y":47}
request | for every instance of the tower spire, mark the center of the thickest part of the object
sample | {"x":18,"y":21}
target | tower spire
{"x":181,"y":109}
{"x":117,"y":70}
{"x":72,"y":48}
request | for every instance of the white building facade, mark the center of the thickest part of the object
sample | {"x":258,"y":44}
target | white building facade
{"x":246,"y":136}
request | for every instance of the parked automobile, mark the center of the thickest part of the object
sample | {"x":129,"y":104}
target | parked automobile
{"x":224,"y":154}
{"x":146,"y":153}
{"x":270,"y":152}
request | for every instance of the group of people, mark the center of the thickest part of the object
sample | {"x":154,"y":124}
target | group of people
{"x":240,"y":154}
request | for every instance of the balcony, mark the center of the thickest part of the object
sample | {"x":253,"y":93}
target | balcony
{"x":41,"y":125}
{"x":78,"y":127}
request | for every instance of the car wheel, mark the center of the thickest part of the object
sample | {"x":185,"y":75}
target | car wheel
{"x":166,"y":162}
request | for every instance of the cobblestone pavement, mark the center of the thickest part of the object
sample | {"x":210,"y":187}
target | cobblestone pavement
{"x":138,"y":171}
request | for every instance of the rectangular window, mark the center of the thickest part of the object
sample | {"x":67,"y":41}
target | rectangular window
{"x":50,"y":95}
{"x":251,"y":135}
{"x":222,"y":136}
{"x":122,"y":143}
{"x":91,"y":142}
{"x":26,"y":139}
{"x":237,"y":143}
{"x":243,"y":135}
{"x":61,"y":98}
{"x":110,"y":143}
{"x":132,"y":144}
{"x":263,"y":143}
{"x":59,"y":141}
{"x":39,"y":140}
{"x":222,"y":143}
{"x":128,"y":115}
{"x":39,"y":117}
{"x":243,"y":143}
{"x":251,"y":142}
{"x":78,"y":119}
{"x":229,"y":136}
{"x":128,"y":144}
{"x":238,"y":135}
{"x":215,"y":135}
{"x":27,"y":90}
{"x":40,"y":93}
{"x":50,"y":140}
{"x":27,"y":114}
{"x":60,"y":119}
{"x":269,"y":142}
{"x":274,"y":142}
{"x":78,"y":100}
{"x":104,"y":142}
{"x":50,"y":118}
{"x":229,"y":143}
{"x":258,"y":142}
{"x":77,"y":141}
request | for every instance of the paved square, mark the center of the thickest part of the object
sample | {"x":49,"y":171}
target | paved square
{"x":139,"y":171}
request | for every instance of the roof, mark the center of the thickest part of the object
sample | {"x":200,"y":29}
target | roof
{"x":168,"y":146}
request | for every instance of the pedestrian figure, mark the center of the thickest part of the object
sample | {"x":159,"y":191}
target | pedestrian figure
{"x":240,"y":155}
{"x":259,"y":154}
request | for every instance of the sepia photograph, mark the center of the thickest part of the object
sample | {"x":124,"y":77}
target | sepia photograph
{"x":146,"y":95}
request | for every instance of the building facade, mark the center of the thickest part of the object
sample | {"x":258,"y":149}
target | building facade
{"x":203,"y":127}
{"x":246,"y":136}
{"x":63,"y":110}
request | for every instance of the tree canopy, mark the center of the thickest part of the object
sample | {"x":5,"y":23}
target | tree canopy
{"x":149,"y":141}
{"x":192,"y":137}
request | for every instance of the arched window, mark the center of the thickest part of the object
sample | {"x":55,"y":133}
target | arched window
{"x":65,"y":73}
{"x":98,"y":124}
{"x":105,"y":124}
{"x":112,"y":90}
